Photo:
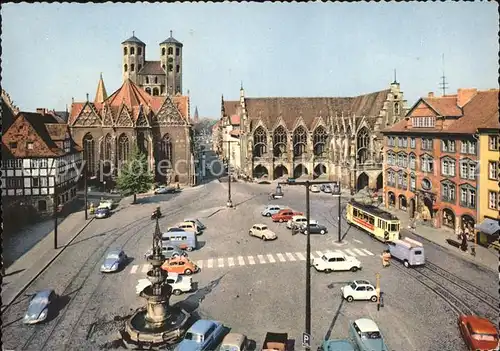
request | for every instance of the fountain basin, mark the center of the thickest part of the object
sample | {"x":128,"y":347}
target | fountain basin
{"x":138,"y":331}
{"x":165,"y":293}
{"x":156,"y":261}
{"x":156,"y":279}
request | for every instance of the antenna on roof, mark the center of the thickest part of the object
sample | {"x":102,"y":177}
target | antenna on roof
{"x":395,"y":80}
{"x":87,"y":97}
{"x":443,"y":85}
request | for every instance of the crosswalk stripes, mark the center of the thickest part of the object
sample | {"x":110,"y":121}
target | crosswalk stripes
{"x":220,"y":262}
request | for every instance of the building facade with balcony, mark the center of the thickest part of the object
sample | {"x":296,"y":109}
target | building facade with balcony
{"x":431,"y":159}
{"x":41,"y":164}
{"x":330,"y":137}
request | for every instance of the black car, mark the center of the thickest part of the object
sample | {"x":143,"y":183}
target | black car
{"x":102,"y":212}
{"x":315,"y":229}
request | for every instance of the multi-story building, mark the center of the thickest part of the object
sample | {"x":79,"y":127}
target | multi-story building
{"x":488,"y":129}
{"x":157,"y":78}
{"x":217,"y":138}
{"x":334,"y":137}
{"x":41,"y":164}
{"x":231,"y":148}
{"x":431,"y":158}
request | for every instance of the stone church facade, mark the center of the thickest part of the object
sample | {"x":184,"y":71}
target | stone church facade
{"x":109,"y":127}
{"x":327,"y":137}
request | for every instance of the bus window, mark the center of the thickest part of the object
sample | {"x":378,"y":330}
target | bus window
{"x":393,"y":228}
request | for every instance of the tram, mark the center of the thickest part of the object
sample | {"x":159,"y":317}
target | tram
{"x":380,"y":224}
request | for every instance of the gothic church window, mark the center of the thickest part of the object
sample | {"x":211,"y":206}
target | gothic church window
{"x":396,"y":108}
{"x":259,"y":142}
{"x":125,"y":67}
{"x":123,"y":149}
{"x":299,"y":141}
{"x":320,"y":138}
{"x":363,"y":143}
{"x":163,"y":52}
{"x":89,"y":153}
{"x":142,"y":143}
{"x":108,"y":144}
{"x":279,"y":141}
{"x":132,"y":51}
{"x":170,"y":50}
{"x":125,"y":51}
{"x":166,"y":149}
{"x":156,"y":92}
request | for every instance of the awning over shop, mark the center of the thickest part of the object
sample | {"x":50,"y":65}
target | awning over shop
{"x":488,"y":226}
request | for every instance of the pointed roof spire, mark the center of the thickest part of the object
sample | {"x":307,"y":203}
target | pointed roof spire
{"x":101,"y":93}
{"x":171,"y":34}
{"x":241,"y":86}
{"x":395,"y":80}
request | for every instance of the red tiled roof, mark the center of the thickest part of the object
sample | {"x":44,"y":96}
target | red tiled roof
{"x":235,"y":120}
{"x":445,"y":105}
{"x":231,"y":108}
{"x":235,"y":133}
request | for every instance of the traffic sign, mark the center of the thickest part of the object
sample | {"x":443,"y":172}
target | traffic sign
{"x":306,"y":340}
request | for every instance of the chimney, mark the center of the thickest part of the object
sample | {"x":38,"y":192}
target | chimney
{"x":41,"y":111}
{"x":430,"y":94}
{"x":465,"y":95}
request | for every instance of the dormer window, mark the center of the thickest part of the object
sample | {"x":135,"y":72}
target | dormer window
{"x":423,"y":122}
{"x":13,"y":145}
{"x":29,"y":145}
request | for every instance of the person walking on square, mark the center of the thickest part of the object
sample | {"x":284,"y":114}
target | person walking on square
{"x":386,"y":257}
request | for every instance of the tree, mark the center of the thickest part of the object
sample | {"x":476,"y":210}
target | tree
{"x":134,"y":176}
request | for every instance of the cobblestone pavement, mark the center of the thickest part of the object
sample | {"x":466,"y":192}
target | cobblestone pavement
{"x":261,"y":289}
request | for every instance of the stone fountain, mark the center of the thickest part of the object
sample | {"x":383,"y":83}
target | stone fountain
{"x":158,"y":325}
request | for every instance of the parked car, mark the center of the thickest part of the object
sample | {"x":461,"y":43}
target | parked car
{"x":234,"y":342}
{"x":314,"y":189}
{"x":366,"y":335}
{"x":180,"y":284}
{"x":165,"y":190}
{"x":336,"y":261}
{"x":180,"y":265}
{"x":326,"y":188}
{"x":189,"y":227}
{"x":115,"y":260}
{"x":108,"y":203}
{"x":337,"y":345}
{"x":41,"y":306}
{"x":196,"y":221}
{"x":359,"y":290}
{"x":478,"y":333}
{"x":168,"y":251}
{"x":203,"y":335}
{"x":102,"y":212}
{"x":269,"y":210}
{"x":263,"y":232}
{"x":285,"y":215}
{"x":300,"y":219}
{"x":315,"y":228}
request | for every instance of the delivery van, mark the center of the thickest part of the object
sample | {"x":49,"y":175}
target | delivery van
{"x":408,"y":251}
{"x":185,"y":240}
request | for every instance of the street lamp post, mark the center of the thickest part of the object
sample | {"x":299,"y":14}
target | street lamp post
{"x":55,"y":213}
{"x":229,"y":200}
{"x":307,"y":184}
{"x":337,"y":192}
{"x":85,"y":191}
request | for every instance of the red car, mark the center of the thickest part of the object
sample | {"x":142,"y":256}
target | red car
{"x":478,"y":333}
{"x":285,"y":215}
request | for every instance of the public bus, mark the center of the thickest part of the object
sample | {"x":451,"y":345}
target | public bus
{"x":380,"y":224}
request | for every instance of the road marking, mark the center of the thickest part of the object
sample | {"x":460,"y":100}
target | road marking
{"x":359,"y":242}
{"x":358,"y":251}
{"x":290,"y":256}
{"x":319,"y":253}
{"x":241,"y":261}
{"x":349,"y":252}
{"x":261,"y":259}
{"x":270,"y":258}
{"x":210,"y":263}
{"x":145,"y":268}
{"x":250,"y":260}
{"x":300,"y":256}
{"x":281,"y":257}
{"x":368,"y":252}
{"x":230,"y":261}
{"x":221,"y":262}
{"x":134,"y":268}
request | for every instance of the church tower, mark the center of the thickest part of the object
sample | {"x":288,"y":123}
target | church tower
{"x":134,"y":55}
{"x":171,"y":62}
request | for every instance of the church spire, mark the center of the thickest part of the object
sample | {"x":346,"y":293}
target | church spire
{"x":101,"y":94}
{"x":196,"y":117}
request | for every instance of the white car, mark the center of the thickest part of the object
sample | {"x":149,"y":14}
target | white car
{"x":179,"y":283}
{"x":270,"y":210}
{"x":359,"y":290}
{"x":336,"y":261}
{"x":299,"y":221}
{"x":106,"y":204}
{"x":314,"y":189}
{"x":263,"y":232}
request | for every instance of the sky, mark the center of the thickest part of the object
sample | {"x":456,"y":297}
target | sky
{"x":54,"y":52}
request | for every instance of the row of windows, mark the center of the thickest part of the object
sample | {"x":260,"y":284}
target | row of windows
{"x":423,"y":122}
{"x":132,"y":51}
{"x":448,"y":188}
{"x":493,"y":142}
{"x":447,"y":145}
{"x":170,"y":51}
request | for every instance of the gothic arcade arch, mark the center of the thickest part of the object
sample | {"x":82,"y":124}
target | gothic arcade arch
{"x":260,"y":171}
{"x":299,"y":171}
{"x":362,"y":181}
{"x":319,"y":170}
{"x":280,"y":171}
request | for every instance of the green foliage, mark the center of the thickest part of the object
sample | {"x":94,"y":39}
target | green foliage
{"x":135,"y":177}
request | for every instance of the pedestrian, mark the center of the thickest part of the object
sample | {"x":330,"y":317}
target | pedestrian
{"x":386,"y":256}
{"x":464,"y":242}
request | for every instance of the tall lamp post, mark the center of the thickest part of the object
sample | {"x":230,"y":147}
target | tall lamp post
{"x":85,"y":191}
{"x":336,"y":191}
{"x":307,"y":184}
{"x":229,"y":200}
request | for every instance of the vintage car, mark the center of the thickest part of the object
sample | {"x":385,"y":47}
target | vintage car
{"x":41,"y":306}
{"x":263,"y":232}
{"x":326,"y":188}
{"x":180,"y":265}
{"x":337,"y":345}
{"x":189,"y":226}
{"x":300,"y":219}
{"x":108,"y":203}
{"x":196,"y":221}
{"x":366,"y":335}
{"x":315,"y":228}
{"x":168,"y":251}
{"x":203,"y":335}
{"x":180,"y":284}
{"x":114,"y":261}
{"x":336,"y":261}
{"x":234,"y":342}
{"x":165,"y":190}
{"x":102,"y":212}
{"x":314,"y":189}
{"x":285,"y":215}
{"x":269,"y":210}
{"x":478,"y":333}
{"x":359,"y":290}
